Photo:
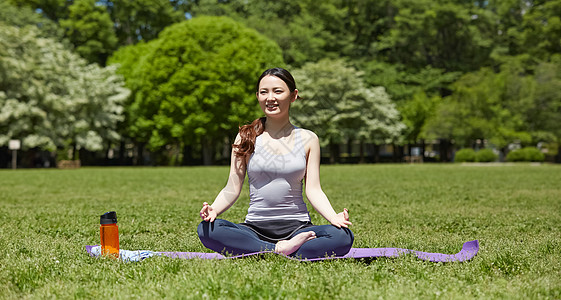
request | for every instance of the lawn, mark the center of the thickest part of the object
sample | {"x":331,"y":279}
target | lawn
{"x":47,"y":216}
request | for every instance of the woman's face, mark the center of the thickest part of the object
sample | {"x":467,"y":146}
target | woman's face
{"x":274,"y":96}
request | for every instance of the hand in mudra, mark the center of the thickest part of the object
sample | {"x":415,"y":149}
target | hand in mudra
{"x":207,"y":213}
{"x":342,"y":219}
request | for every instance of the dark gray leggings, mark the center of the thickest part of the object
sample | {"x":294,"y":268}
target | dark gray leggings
{"x":226,"y":237}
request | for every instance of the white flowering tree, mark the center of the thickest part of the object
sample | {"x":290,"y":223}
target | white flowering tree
{"x":340,"y":108}
{"x":50,"y":98}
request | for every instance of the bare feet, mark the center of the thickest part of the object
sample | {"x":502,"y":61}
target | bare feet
{"x":290,"y":246}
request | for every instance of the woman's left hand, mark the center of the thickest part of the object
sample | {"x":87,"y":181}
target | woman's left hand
{"x":342,"y":219}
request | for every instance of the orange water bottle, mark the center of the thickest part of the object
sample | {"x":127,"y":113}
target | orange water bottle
{"x":109,"y":233}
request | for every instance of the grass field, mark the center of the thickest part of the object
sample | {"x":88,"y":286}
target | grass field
{"x":47,"y":216}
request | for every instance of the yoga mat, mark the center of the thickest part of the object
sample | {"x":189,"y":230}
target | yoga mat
{"x":469,"y":250}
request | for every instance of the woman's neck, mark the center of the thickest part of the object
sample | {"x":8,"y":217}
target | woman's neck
{"x":278,"y":128}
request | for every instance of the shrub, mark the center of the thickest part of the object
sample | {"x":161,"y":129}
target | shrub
{"x":533,"y":154}
{"x":485,"y":155}
{"x":526,"y":154}
{"x":465,"y":155}
{"x":515,"y":155}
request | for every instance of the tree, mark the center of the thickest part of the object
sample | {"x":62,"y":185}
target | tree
{"x":141,"y":20}
{"x":90,"y":30}
{"x":543,"y":114}
{"x":24,"y":16}
{"x":304,"y":30}
{"x":52,"y":9}
{"x":366,"y":21}
{"x":50,"y":98}
{"x":96,"y":28}
{"x":339,"y":108}
{"x":509,"y":15}
{"x":195,"y":83}
{"x":541,"y":34}
{"x":416,"y":112}
{"x":448,"y":36}
{"x":485,"y":105}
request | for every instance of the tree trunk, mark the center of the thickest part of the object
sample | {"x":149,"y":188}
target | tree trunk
{"x":187,"y":155}
{"x":122,"y":153}
{"x":74,"y":151}
{"x":443,"y":149}
{"x":423,"y":147}
{"x":106,"y":154}
{"x":207,"y":151}
{"x":138,"y":159}
{"x":502,"y":155}
{"x":400,"y":150}
{"x":376,"y":153}
{"x":333,"y":152}
{"x":361,"y":152}
{"x":397,"y":153}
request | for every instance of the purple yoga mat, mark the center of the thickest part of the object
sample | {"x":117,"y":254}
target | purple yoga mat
{"x":469,"y":250}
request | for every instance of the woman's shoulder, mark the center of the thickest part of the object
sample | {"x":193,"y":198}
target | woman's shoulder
{"x":307,"y":135}
{"x":237,"y":139}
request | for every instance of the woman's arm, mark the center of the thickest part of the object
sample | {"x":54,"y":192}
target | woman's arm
{"x":230,"y":193}
{"x":314,"y":192}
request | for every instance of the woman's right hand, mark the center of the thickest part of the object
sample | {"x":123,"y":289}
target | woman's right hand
{"x":207,"y":213}
{"x":342,"y":219}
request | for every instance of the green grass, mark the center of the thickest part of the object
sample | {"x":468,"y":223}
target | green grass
{"x":47,"y":216}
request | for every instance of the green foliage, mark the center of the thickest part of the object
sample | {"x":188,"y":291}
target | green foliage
{"x":512,"y":210}
{"x":90,"y":29}
{"x":416,"y":112}
{"x":516,"y":155}
{"x":503,"y":107}
{"x":465,"y":155}
{"x":141,"y":20}
{"x":97,"y":28}
{"x":542,"y":29}
{"x":543,"y":112}
{"x":338,"y":107}
{"x":52,"y":9}
{"x":485,"y":155}
{"x":533,"y":154}
{"x":444,"y":35}
{"x":530,"y":154}
{"x":460,"y":70}
{"x":195,"y":83}
{"x":49,"y":95}
{"x":485,"y":105}
{"x":302,"y":29}
{"x":24,"y":16}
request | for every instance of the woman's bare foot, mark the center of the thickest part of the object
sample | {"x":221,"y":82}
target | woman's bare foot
{"x":290,"y":246}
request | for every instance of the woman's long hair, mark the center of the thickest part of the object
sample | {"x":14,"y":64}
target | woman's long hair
{"x":249,"y":132}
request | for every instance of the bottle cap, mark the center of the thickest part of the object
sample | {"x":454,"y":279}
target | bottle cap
{"x":108,"y":218}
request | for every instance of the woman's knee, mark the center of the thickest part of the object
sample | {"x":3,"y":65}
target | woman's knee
{"x":205,"y":229}
{"x":345,"y":239}
{"x":344,"y":236}
{"x":349,"y":236}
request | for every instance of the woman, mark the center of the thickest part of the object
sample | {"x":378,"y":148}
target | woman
{"x":277,"y":157}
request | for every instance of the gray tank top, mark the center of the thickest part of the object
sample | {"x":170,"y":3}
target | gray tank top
{"x":275,"y":183}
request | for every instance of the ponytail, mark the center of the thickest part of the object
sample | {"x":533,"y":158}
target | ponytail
{"x":248,"y":134}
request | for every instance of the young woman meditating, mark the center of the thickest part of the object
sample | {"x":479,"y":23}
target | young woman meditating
{"x":277,"y":157}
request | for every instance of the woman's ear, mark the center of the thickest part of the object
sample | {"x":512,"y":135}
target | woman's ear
{"x":294,"y":95}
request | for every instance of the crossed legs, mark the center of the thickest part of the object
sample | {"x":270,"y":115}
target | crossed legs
{"x":226,"y":237}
